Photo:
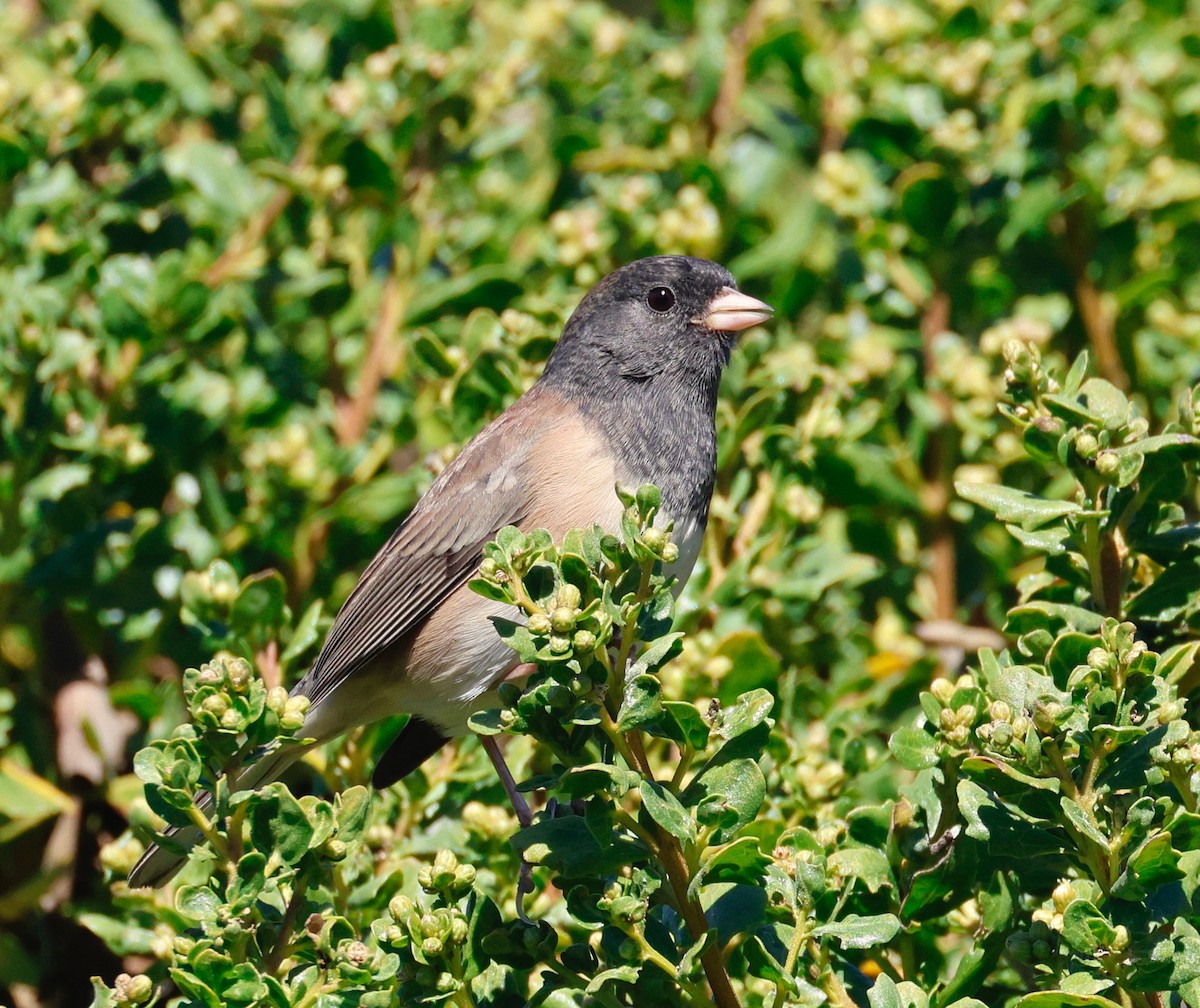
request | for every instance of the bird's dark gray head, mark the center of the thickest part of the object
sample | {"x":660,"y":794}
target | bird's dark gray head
{"x":667,"y":317}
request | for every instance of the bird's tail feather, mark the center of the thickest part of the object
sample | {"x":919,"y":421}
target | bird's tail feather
{"x":161,"y":862}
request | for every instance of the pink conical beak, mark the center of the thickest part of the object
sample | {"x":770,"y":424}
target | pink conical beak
{"x":732,"y":310}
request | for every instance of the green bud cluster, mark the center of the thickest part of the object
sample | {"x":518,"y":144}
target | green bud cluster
{"x":132,"y":990}
{"x":446,"y":876}
{"x":429,"y":939}
{"x":1024,"y":377}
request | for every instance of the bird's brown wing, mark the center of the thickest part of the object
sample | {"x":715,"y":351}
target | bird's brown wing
{"x":437,"y":548}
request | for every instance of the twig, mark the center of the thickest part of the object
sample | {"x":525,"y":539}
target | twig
{"x":939,"y":465}
{"x":354,"y":412}
{"x":251,"y":236}
{"x":723,"y":114}
{"x":1098,"y":320}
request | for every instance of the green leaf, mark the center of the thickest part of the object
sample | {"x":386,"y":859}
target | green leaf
{"x":1016,"y":507}
{"x":305,"y":634}
{"x":1082,"y":822}
{"x":199,"y":903}
{"x":856,"y":932}
{"x":739,"y":861}
{"x":278,"y":824}
{"x":517,"y":637}
{"x":641,"y":704}
{"x":260,"y":604}
{"x":665,"y":809}
{"x":733,"y":908}
{"x":914,"y":748}
{"x":693,"y":729}
{"x":1061,"y":999}
{"x":865,"y":863}
{"x":734,"y":789}
{"x":1085,"y":929}
{"x":1153,"y":864}
{"x":751,"y":709}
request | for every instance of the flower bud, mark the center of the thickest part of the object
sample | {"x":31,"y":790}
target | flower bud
{"x":569,"y":596}
{"x":559,"y":643}
{"x":1086,"y":445}
{"x":1107,"y":464}
{"x":488,"y":569}
{"x":942,"y":690}
{"x":584,"y":642}
{"x":536,"y":853}
{"x":132,"y":990}
{"x":334,"y":850}
{"x":357,"y":953}
{"x":654,"y":539}
{"x":562,"y":620}
{"x":998,"y":710}
{"x":400,"y":906}
{"x":670,"y":553}
{"x":539,"y":624}
{"x":231,"y":719}
{"x":215,"y":704}
{"x":1063,"y":895}
{"x":432,"y":946}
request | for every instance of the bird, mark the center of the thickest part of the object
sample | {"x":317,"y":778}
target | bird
{"x":628,"y":396}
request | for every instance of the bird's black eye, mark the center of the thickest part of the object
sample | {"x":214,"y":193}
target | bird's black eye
{"x":661,"y":299}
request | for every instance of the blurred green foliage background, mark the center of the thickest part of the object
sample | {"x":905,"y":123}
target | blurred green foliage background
{"x":266,"y":264}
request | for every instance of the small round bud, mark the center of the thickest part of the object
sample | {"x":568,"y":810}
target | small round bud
{"x":277,"y":698}
{"x":559,"y":643}
{"x":539,"y":624}
{"x":488,"y":569}
{"x":649,"y":497}
{"x":132,"y":990}
{"x":357,"y":953}
{"x":942,"y":690}
{"x":1086,"y":446}
{"x":569,"y":596}
{"x":239,"y":674}
{"x":670,"y":553}
{"x":584,"y":642}
{"x":655,"y":539}
{"x":215,"y":704}
{"x":1002,"y":734}
{"x":432,"y":946}
{"x":231,"y":719}
{"x":458,"y":930}
{"x":562,"y":620}
{"x":998,"y":710}
{"x":334,"y":850}
{"x":1107,"y":464}
{"x":400,"y":906}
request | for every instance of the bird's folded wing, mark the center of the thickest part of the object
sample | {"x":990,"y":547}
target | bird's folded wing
{"x":432,"y":553}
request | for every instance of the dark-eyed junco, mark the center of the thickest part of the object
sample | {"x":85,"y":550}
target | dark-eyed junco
{"x":628,"y":396}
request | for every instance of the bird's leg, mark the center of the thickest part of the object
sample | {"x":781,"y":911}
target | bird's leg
{"x":520,"y":671}
{"x":491,"y":745}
